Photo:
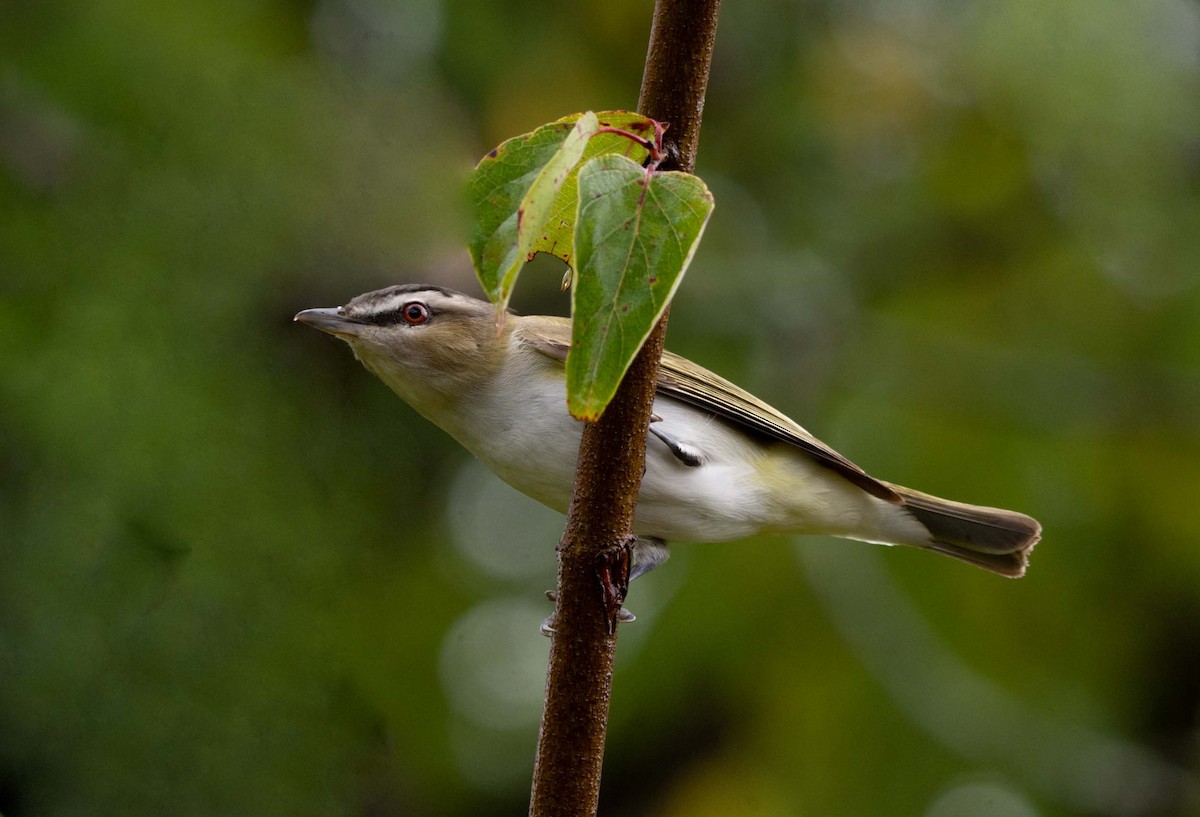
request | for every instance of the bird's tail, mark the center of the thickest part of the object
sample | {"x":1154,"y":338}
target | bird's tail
{"x":991,"y":538}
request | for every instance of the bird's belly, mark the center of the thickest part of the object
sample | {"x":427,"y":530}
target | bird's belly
{"x":715,"y":502}
{"x":725,"y":497}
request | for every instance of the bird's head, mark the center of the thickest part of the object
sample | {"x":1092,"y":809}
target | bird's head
{"x":429,"y":344}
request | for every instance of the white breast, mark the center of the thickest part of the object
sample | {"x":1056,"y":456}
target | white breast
{"x":531,"y":441}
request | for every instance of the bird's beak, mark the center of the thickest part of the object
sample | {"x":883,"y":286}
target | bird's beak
{"x":330,"y":319}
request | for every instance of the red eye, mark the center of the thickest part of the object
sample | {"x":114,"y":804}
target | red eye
{"x":415,"y":313}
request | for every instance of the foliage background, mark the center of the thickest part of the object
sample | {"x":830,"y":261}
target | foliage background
{"x":958,"y":241}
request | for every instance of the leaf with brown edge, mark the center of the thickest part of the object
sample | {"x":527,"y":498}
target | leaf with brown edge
{"x":524,"y":192}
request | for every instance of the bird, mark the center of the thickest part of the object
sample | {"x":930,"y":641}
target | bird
{"x":721,"y":464}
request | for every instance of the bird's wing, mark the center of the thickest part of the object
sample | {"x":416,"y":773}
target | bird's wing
{"x":685,"y":381}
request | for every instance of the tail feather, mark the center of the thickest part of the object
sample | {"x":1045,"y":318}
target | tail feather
{"x":991,"y":538}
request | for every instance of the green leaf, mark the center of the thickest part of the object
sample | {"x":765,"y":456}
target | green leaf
{"x":517,"y":190}
{"x":635,"y":234}
{"x":524,"y":193}
{"x":558,"y":237}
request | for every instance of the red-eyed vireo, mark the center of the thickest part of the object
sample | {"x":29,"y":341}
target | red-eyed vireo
{"x":720,"y":463}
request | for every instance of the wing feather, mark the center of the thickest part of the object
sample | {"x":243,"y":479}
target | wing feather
{"x":683,"y":380}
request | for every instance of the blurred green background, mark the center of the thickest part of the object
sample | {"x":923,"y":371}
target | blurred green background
{"x":959,"y":241}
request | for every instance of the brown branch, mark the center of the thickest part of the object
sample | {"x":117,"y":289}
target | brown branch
{"x":566,"y":777}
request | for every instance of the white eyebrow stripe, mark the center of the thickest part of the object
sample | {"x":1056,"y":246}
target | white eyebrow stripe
{"x":389,"y":304}
{"x":384,"y":305}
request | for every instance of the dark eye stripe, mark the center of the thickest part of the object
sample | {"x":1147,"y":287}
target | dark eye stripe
{"x":390,"y":317}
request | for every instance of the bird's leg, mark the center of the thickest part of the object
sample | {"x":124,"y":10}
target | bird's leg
{"x":648,"y":553}
{"x":689,"y":455}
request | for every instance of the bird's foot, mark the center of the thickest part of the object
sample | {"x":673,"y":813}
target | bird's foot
{"x":547,"y":627}
{"x":613,"y":570}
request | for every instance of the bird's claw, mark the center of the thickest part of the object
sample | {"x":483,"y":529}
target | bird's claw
{"x":547,"y":626}
{"x":613,"y":570}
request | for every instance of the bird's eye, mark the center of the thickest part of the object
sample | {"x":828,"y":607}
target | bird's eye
{"x":414,"y":313}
